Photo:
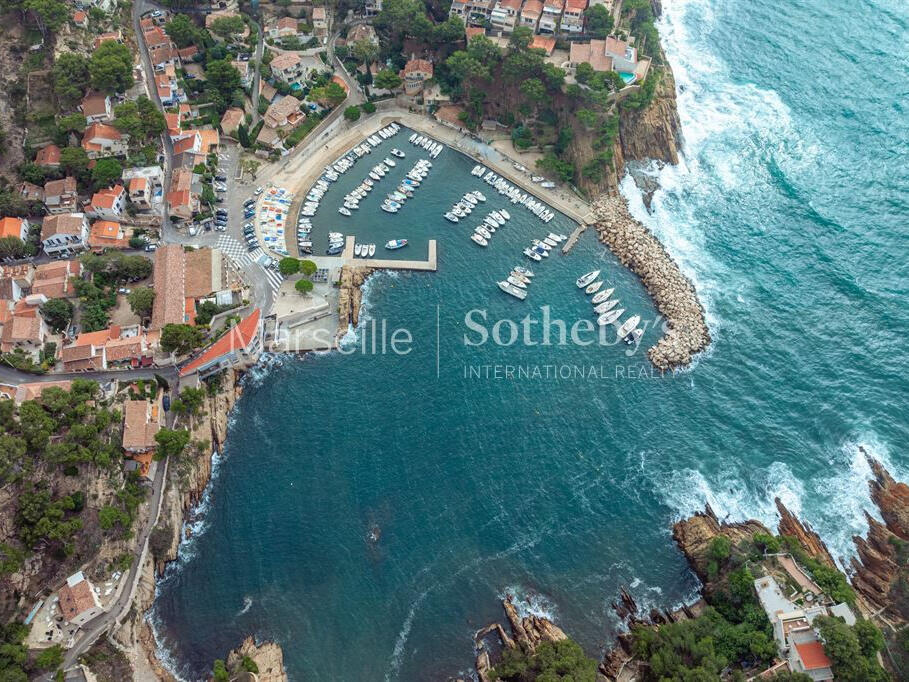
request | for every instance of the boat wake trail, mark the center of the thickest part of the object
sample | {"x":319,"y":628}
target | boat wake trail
{"x":247,"y":605}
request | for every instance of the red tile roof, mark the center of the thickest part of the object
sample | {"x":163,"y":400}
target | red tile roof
{"x":49,"y":156}
{"x":106,"y":198}
{"x":240,"y":336}
{"x":813,"y":655}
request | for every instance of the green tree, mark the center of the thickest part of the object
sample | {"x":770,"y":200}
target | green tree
{"x":71,"y":78}
{"x":871,"y":640}
{"x":171,"y":442}
{"x":219,"y":671}
{"x":463,"y":66}
{"x":57,"y":312}
{"x":181,"y":338}
{"x":222,"y":80}
{"x":182,"y":31}
{"x":562,"y":660}
{"x":365,"y":51}
{"x":288,"y":266}
{"x":51,"y":14}
{"x":227,"y":27}
{"x":190,"y":401}
{"x":303,"y":286}
{"x":111,"y":67}
{"x":401,"y":19}
{"x":368,"y":107}
{"x":449,"y":31}
{"x":521,"y":38}
{"x":308,"y":267}
{"x":387,"y":79}
{"x":584,"y":73}
{"x":329,"y":95}
{"x":599,"y":21}
{"x":12,"y":247}
{"x":106,"y":172}
{"x":74,"y":160}
{"x":71,"y":123}
{"x":141,"y":300}
{"x":843,"y":647}
{"x":352,"y":113}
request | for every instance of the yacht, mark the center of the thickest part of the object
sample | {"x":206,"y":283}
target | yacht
{"x":551,"y":242}
{"x":533,"y":255}
{"x":540,"y":250}
{"x":593,"y":288}
{"x":375,"y":176}
{"x":542,"y":245}
{"x":335,"y":235}
{"x":343,"y":211}
{"x":536,"y":178}
{"x":602,"y":296}
{"x":606,"y":306}
{"x":371,"y":251}
{"x":584,"y":280}
{"x":527,"y":272}
{"x":451,"y":217}
{"x":395,"y":244}
{"x":509,"y":288}
{"x":398,"y":153}
{"x":514,"y":281}
{"x":610,"y":317}
{"x":627,"y":327}
{"x":478,"y":239}
{"x":391,"y":203}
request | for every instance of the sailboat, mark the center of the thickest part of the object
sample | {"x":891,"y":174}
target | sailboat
{"x":584,"y":280}
{"x":602,"y":295}
{"x":610,"y":317}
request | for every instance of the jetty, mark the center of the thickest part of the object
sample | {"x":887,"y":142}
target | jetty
{"x":428,"y":265}
{"x":573,"y":238}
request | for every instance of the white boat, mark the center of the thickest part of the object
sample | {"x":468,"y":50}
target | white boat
{"x":584,"y":280}
{"x":520,"y":276}
{"x":505,"y":214}
{"x":479,"y":195}
{"x":550,"y":242}
{"x":388,"y":162}
{"x":628,"y":326}
{"x":394,"y":244}
{"x":610,"y":317}
{"x":606,"y":306}
{"x":412,"y":137}
{"x":478,"y":239}
{"x":527,"y":272}
{"x":489,"y":228}
{"x":514,"y":281}
{"x":536,"y":178}
{"x":498,"y":216}
{"x":388,"y":209}
{"x":398,"y":153}
{"x":556,"y":237}
{"x":358,"y":250}
{"x":343,"y":211}
{"x":335,"y":235}
{"x":547,"y":185}
{"x":510,"y":288}
{"x":533,"y":255}
{"x":451,"y":217}
{"x":371,"y":251}
{"x":602,"y":295}
{"x":375,"y":176}
{"x":470,"y":199}
{"x":593,"y":288}
{"x":542,"y":245}
{"x":392,"y":203}
{"x":483,"y":232}
{"x":540,"y":250}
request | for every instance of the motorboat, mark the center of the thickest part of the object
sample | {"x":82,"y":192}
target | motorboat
{"x":533,"y":255}
{"x":542,"y":245}
{"x":602,"y":295}
{"x":510,"y":288}
{"x":412,"y":138}
{"x":388,"y":162}
{"x":498,"y":216}
{"x":483,"y":232}
{"x":451,"y":217}
{"x":514,"y":281}
{"x":334,"y":249}
{"x":593,"y":288}
{"x":550,"y":242}
{"x":557,"y":237}
{"x":584,"y":280}
{"x":517,"y":275}
{"x":398,"y":153}
{"x":505,"y":214}
{"x":606,"y":306}
{"x":343,"y":211}
{"x":388,"y":209}
{"x":375,"y":176}
{"x":527,"y":272}
{"x":489,"y":228}
{"x":358,"y":250}
{"x":470,"y":199}
{"x":540,"y":250}
{"x":371,"y":251}
{"x":491,"y":222}
{"x":335,"y":235}
{"x":479,"y":239}
{"x":610,"y":317}
{"x":627,"y":327}
{"x":479,"y":195}
{"x":395,"y":244}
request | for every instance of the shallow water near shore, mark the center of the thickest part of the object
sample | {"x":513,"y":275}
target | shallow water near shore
{"x":788,"y":212}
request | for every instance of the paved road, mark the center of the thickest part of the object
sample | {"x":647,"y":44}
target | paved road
{"x":10,"y":375}
{"x":254,"y":97}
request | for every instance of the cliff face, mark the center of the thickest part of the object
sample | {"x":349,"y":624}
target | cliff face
{"x":809,"y":540}
{"x":652,"y":133}
{"x":350,"y":296}
{"x":881,"y":569}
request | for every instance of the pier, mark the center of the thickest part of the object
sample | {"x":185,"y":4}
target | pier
{"x":573,"y":239}
{"x":428,"y":265}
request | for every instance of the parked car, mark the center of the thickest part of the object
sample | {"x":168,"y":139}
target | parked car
{"x":123,"y":290}
{"x":258,"y":191}
{"x":220,"y":228}
{"x":151,"y":247}
{"x":221,"y":178}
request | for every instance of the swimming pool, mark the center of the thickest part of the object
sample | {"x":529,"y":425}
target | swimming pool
{"x":629,"y":78}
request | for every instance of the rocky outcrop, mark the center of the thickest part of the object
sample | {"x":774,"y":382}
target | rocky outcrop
{"x":695,"y":535}
{"x":809,"y":540}
{"x":652,"y":133}
{"x":350,"y":296}
{"x":685,"y":330}
{"x":881,"y":567}
{"x":527,"y":633}
{"x":268,"y":657}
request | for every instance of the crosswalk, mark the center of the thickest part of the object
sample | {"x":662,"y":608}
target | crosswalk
{"x":257,"y":258}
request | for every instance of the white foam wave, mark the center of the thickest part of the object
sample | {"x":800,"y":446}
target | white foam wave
{"x":529,"y":602}
{"x":162,"y":653}
{"x":401,"y":641}
{"x":247,"y":605}
{"x":843,"y":497}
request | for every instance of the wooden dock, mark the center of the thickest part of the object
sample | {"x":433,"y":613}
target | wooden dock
{"x":573,"y":239}
{"x":428,"y":265}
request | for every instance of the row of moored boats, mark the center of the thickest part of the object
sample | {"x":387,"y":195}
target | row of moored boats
{"x":482,"y":233}
{"x":352,"y":199}
{"x":394,"y":201}
{"x":606,"y":308}
{"x":364,"y":250}
{"x":517,"y":282}
{"x":464,"y":206}
{"x":434,"y":148}
{"x":540,"y":248}
{"x":514,"y":194}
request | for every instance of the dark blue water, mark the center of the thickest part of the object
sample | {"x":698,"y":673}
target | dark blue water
{"x":789,"y":213}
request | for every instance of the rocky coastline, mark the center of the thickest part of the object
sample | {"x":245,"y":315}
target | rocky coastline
{"x":350,"y":296}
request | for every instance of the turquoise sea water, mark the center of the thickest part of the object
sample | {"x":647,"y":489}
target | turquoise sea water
{"x":789,"y":212}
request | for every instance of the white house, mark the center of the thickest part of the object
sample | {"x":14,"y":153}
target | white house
{"x":65,"y":234}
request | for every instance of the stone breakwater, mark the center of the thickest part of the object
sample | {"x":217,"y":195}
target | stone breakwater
{"x":673,"y":294}
{"x":350,"y":296}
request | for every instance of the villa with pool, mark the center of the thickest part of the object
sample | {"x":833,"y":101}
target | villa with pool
{"x":612,"y":54}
